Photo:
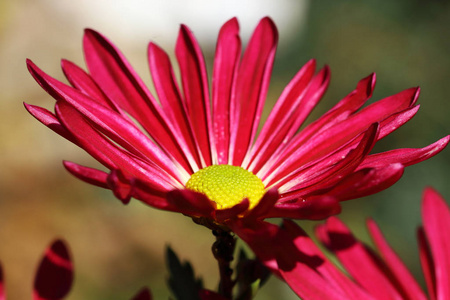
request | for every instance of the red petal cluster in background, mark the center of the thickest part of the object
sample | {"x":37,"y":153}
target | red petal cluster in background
{"x":373,"y":273}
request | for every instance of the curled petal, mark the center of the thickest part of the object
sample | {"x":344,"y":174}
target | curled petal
{"x":89,"y":175}
{"x":228,"y":213}
{"x":120,"y":185}
{"x":191,"y":203}
{"x":265,"y":205}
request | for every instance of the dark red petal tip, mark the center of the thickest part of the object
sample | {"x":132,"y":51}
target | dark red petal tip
{"x":143,"y":294}
{"x":55,"y":273}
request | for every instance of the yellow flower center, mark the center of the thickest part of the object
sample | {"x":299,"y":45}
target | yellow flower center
{"x":227,"y":185}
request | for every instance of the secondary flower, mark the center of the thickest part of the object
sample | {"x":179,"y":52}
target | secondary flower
{"x":373,"y":273}
{"x":54,"y":276}
{"x":196,"y":151}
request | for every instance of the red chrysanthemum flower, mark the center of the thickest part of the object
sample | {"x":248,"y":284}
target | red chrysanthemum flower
{"x":373,"y":274}
{"x":196,"y":151}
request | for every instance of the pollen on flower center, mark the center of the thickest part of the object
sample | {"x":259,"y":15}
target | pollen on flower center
{"x":227,"y":185}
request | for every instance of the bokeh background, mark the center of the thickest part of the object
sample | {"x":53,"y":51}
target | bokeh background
{"x":118,"y":249}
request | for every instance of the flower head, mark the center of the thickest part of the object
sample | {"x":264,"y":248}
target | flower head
{"x":164,"y":151}
{"x":374,"y":273}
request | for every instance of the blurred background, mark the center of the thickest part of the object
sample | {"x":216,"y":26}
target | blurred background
{"x":118,"y":249}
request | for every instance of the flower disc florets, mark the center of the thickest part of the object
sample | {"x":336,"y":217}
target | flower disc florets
{"x":227,"y":185}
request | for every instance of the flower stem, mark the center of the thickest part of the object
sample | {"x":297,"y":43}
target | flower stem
{"x":223,"y":249}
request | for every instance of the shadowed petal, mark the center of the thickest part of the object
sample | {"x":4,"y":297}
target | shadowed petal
{"x":265,"y":205}
{"x":351,"y":253}
{"x":427,"y":263}
{"x":55,"y":273}
{"x":366,"y":182}
{"x":191,"y":203}
{"x":406,"y":282}
{"x":224,"y":214}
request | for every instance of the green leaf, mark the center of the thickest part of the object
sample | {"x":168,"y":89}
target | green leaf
{"x":251,"y":276}
{"x":182,"y":281}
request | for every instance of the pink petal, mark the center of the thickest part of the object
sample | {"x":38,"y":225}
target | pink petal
{"x":251,"y":88}
{"x":427,"y":263}
{"x":106,"y":152}
{"x":110,"y":70}
{"x":346,"y":130}
{"x":406,"y":283}
{"x":171,"y":101}
{"x":89,"y":175}
{"x":83,"y":82}
{"x":196,"y":90}
{"x":50,"y":120}
{"x":357,"y":259}
{"x":366,"y":182}
{"x":119,"y":129}
{"x":335,"y":115}
{"x":226,"y":61}
{"x":407,"y":156}
{"x":322,"y":175}
{"x":295,"y":103}
{"x":436,"y":223}
{"x":54,"y":276}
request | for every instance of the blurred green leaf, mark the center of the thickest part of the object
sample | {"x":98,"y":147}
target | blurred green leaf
{"x":182,"y":281}
{"x":251,"y":276}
